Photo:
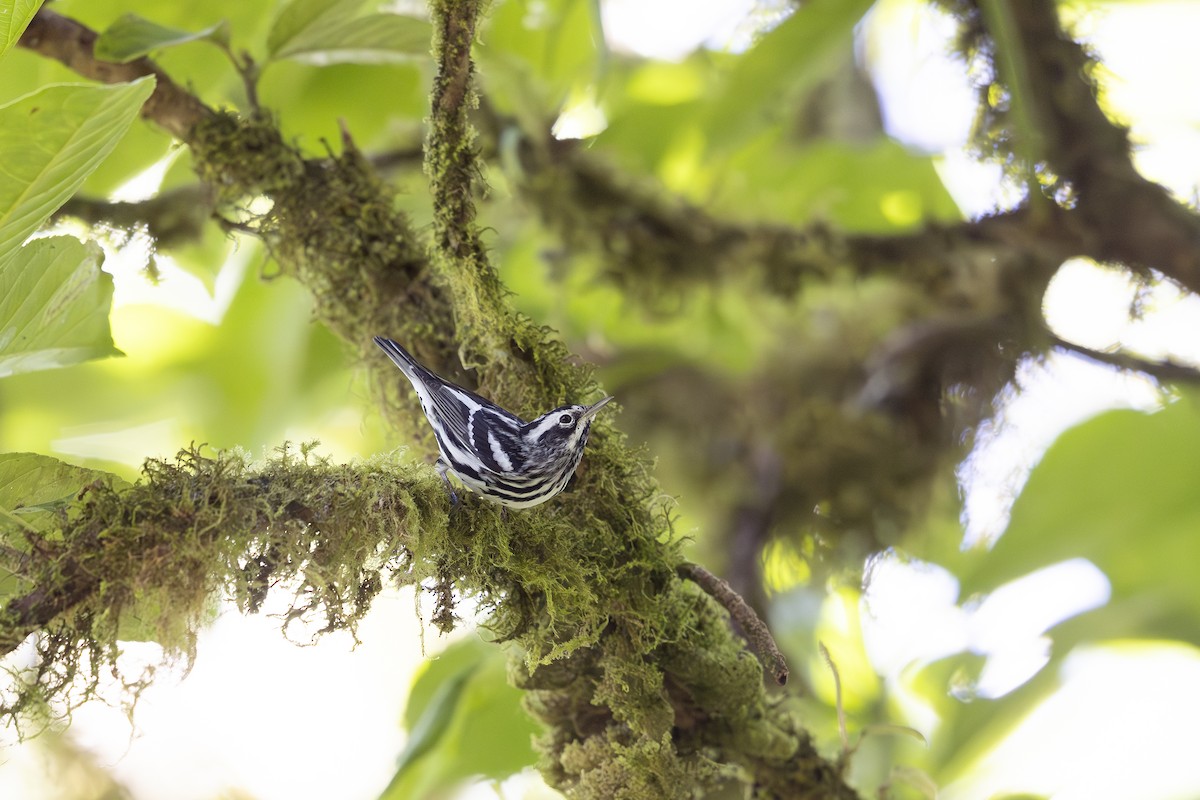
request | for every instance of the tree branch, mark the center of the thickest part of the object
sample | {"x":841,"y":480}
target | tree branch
{"x":655,"y":242}
{"x":199,"y":525}
{"x":757,"y":632}
{"x":1167,"y":371}
{"x":1119,"y":215}
{"x":65,"y":40}
{"x":173,"y":217}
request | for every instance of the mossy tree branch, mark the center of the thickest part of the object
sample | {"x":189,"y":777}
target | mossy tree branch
{"x":146,"y":561}
{"x":660,"y":697}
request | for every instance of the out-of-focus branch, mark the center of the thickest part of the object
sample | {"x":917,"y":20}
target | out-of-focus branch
{"x":750,"y":521}
{"x":174,"y":217}
{"x":657,"y":242}
{"x":1118,"y":215}
{"x":1167,"y":371}
{"x":405,"y":157}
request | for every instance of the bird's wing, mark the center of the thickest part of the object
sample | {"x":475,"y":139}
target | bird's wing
{"x":453,"y":406}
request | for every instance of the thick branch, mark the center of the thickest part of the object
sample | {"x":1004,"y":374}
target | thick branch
{"x":1122,"y":217}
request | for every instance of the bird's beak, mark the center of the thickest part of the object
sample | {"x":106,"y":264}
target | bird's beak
{"x":591,"y":410}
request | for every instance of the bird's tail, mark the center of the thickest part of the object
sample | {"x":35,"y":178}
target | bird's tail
{"x":401,"y":357}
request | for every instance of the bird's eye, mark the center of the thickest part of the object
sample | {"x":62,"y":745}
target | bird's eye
{"x":565,"y":420}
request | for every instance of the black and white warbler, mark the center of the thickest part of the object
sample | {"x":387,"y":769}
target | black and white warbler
{"x":492,"y":451}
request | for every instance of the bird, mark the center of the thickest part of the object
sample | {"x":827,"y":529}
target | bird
{"x":493,"y":452}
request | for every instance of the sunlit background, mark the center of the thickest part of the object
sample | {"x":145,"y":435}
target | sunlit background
{"x":260,"y":716}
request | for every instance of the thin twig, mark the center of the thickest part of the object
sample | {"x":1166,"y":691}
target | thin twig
{"x":757,"y":632}
{"x":1170,"y":371}
{"x":837,"y":697}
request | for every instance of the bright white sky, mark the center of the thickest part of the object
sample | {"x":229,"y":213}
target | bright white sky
{"x":1077,"y":745}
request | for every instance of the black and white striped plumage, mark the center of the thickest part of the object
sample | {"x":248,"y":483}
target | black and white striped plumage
{"x":492,"y":451}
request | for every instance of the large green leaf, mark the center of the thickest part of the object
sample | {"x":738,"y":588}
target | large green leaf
{"x":132,"y":37}
{"x":783,"y":65}
{"x":32,"y":488}
{"x":303,"y":18}
{"x":1120,"y":491}
{"x":31,"y":483}
{"x":54,"y":303}
{"x":970,"y":728}
{"x":464,"y":720}
{"x":373,"y":39}
{"x":14,"y":18}
{"x":51,"y":140}
{"x":321,"y":100}
{"x":532,"y":54}
{"x":331,"y":32}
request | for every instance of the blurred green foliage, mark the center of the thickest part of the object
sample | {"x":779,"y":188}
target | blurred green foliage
{"x":463,"y":721}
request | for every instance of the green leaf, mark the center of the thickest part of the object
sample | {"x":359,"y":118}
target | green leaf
{"x":31,"y":483}
{"x":302,"y":18}
{"x":14,"y":19}
{"x":876,"y":188}
{"x":1120,"y":491}
{"x":431,"y":727}
{"x":373,"y":39}
{"x":52,"y":140}
{"x":132,"y":37}
{"x":354,"y":90}
{"x":533,"y":53}
{"x":54,"y":304}
{"x":968,"y":729}
{"x":783,"y":66}
{"x":464,"y":720}
{"x":32,"y":488}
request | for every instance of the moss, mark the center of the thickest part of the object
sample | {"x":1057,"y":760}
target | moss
{"x":608,"y":767}
{"x":146,"y":561}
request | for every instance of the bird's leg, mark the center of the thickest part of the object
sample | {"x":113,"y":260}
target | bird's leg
{"x":441,"y":466}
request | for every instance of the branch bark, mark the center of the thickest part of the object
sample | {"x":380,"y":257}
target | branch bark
{"x":757,"y":632}
{"x":63,"y":39}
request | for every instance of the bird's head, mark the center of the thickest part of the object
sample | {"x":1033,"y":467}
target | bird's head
{"x":563,"y":430}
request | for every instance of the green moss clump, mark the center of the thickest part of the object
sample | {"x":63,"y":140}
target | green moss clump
{"x":145,"y":562}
